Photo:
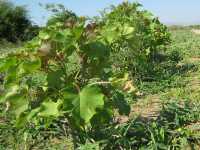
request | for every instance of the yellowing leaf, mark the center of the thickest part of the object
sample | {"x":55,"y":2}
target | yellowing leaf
{"x":44,"y":35}
{"x":128,"y":30}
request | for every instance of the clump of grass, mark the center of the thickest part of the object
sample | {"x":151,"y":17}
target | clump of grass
{"x":169,"y":131}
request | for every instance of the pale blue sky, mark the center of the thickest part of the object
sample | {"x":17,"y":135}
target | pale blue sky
{"x":169,"y":11}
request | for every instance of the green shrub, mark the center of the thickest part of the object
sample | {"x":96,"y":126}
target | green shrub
{"x":65,"y":72}
{"x":149,"y":37}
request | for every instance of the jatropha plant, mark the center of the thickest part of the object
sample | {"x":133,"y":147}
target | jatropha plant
{"x":66,"y":71}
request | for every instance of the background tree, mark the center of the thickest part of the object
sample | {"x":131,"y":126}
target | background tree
{"x":15,"y":24}
{"x":60,"y":14}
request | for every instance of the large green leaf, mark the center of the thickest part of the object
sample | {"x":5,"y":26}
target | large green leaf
{"x":83,"y":105}
{"x":38,"y":79}
{"x":128,"y":31}
{"x":102,"y":116}
{"x":69,"y":96}
{"x":18,"y":104}
{"x":97,"y":49}
{"x":62,"y":36}
{"x":77,"y":31}
{"x":91,"y":98}
{"x":44,"y":35}
{"x":26,"y":117}
{"x":110,"y":33}
{"x":32,"y":65}
{"x":50,"y":109}
{"x":121,"y":104}
{"x":12,"y":90}
{"x":54,"y":79}
{"x":11,"y":77}
{"x":59,"y":37}
{"x":17,"y":99}
{"x":6,"y":63}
